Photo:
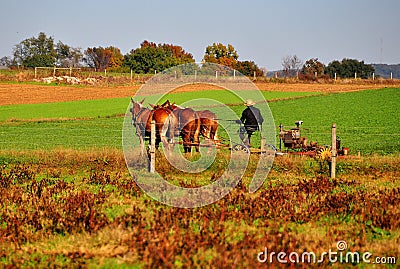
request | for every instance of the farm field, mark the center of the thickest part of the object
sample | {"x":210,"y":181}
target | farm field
{"x":67,"y":199}
{"x":366,"y":120}
{"x":23,"y":93}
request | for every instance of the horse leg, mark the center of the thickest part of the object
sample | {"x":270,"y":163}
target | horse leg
{"x":196,"y":134}
{"x":186,"y":142}
{"x":140,"y":134}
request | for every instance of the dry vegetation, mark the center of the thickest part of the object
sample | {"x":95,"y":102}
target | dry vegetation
{"x":71,"y":209}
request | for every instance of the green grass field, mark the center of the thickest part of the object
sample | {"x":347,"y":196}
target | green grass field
{"x":367,"y":121}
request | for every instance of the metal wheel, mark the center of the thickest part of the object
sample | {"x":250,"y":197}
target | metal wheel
{"x":323,"y":154}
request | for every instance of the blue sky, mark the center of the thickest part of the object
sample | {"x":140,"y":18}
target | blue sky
{"x":262,"y":31}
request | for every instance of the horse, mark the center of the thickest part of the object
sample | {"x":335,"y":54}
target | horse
{"x":165,"y":127}
{"x":164,"y":119}
{"x":208,"y":125}
{"x":141,"y":119}
{"x":188,"y":126}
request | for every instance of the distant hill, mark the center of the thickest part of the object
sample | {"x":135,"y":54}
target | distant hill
{"x":384,"y":70}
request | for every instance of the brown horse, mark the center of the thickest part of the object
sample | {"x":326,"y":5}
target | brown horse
{"x":141,"y":119}
{"x":188,"y":126}
{"x":208,"y":125}
{"x":165,"y":127}
{"x":164,"y":119}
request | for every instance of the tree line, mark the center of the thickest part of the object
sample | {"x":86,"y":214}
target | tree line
{"x":42,"y":51}
{"x":313,"y":69}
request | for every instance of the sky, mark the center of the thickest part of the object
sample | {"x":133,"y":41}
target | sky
{"x":261,"y":31}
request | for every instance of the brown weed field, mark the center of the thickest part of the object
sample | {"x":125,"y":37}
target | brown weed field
{"x":71,"y":209}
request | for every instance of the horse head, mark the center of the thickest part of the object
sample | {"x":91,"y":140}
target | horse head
{"x":136,"y":109}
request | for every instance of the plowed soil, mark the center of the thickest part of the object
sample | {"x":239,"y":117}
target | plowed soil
{"x":11,"y":94}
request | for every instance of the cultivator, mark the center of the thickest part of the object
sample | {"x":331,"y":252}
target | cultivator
{"x":295,"y":143}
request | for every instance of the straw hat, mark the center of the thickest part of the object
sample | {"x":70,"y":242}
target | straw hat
{"x":249,"y":102}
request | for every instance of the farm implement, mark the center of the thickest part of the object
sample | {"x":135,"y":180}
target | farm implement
{"x":296,"y":144}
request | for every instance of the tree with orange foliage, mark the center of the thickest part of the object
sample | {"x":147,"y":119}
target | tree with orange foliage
{"x":227,"y":55}
{"x":220,"y":54}
{"x":102,"y":58}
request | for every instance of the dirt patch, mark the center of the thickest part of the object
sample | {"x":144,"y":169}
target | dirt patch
{"x":11,"y":94}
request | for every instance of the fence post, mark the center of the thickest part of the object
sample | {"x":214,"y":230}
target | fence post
{"x":35,"y":72}
{"x":152,"y":147}
{"x":280,"y":135}
{"x":131,"y":75}
{"x":54,"y":71}
{"x":334,"y":153}
{"x":195,"y":74}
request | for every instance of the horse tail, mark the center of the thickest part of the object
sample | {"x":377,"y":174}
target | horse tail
{"x":171,"y":125}
{"x":214,"y":128}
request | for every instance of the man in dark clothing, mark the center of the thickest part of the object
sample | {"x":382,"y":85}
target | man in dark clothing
{"x":252,"y":119}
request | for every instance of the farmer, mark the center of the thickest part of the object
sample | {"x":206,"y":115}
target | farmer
{"x":252,"y":119}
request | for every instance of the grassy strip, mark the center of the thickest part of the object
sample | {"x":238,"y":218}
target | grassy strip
{"x":367,"y":121}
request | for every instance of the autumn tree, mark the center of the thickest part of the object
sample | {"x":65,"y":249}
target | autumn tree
{"x":35,"y":51}
{"x":220,"y":54}
{"x":102,"y":58}
{"x":116,"y":59}
{"x":98,"y":58}
{"x":227,"y":56}
{"x":312,"y":67}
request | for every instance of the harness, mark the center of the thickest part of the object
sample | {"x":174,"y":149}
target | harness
{"x":135,"y":117}
{"x":139,"y":126}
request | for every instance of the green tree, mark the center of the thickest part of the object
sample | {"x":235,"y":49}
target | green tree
{"x":248,"y":68}
{"x":36,"y":51}
{"x":68,"y":56}
{"x":151,"y":57}
{"x":347,"y":68}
